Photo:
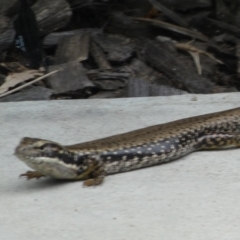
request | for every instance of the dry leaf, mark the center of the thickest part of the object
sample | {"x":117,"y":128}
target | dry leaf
{"x":14,"y":79}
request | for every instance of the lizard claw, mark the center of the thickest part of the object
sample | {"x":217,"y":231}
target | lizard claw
{"x":32,"y":174}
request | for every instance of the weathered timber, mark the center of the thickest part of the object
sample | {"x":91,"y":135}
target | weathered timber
{"x":53,"y":38}
{"x":118,"y":48}
{"x":73,"y":48}
{"x":72,"y":77}
{"x":164,"y":61}
{"x":99,"y":56}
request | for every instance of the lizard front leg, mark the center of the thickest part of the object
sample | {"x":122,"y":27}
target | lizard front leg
{"x":92,"y":171}
{"x":96,"y":177}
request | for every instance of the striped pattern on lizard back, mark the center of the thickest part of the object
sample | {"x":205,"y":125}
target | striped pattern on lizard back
{"x":162,"y":143}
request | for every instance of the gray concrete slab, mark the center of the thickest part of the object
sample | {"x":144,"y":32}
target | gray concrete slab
{"x":196,"y":197}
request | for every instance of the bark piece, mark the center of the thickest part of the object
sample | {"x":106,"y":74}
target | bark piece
{"x":52,"y":15}
{"x":7,"y":33}
{"x":109,"y":94}
{"x":184,"y":5}
{"x":138,"y":69}
{"x":118,"y":48}
{"x":226,"y":27}
{"x":175,"y":28}
{"x":72,"y":77}
{"x":109,"y":84}
{"x":101,"y":75}
{"x":138,"y":87}
{"x":124,"y":25}
{"x":2,"y":79}
{"x":7,"y":5}
{"x":145,"y":81}
{"x":169,"y":13}
{"x":99,"y":56}
{"x":108,"y":80}
{"x":187,"y":79}
{"x":74,"y":48}
{"x":32,"y":93}
{"x":53,"y":38}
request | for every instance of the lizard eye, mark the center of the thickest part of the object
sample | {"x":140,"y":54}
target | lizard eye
{"x":41,"y":147}
{"x":47,"y":147}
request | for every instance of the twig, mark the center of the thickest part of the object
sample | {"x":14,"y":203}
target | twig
{"x":174,"y":28}
{"x":28,"y":84}
{"x":195,"y":52}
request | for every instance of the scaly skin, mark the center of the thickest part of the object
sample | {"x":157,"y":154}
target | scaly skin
{"x":146,"y":147}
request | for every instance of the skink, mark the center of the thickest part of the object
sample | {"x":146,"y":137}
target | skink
{"x":92,"y":161}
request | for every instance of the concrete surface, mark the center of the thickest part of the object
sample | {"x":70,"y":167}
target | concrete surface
{"x":196,"y":197}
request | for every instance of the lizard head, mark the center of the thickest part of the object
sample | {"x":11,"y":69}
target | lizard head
{"x":47,"y":157}
{"x":35,"y":148}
